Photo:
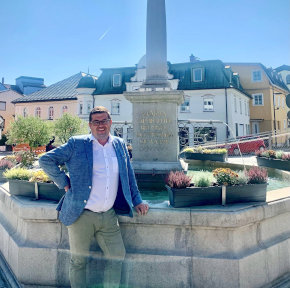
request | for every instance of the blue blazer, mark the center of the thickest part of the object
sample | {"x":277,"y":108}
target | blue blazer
{"x":77,"y":155}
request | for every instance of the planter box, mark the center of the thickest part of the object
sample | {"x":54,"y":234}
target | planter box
{"x":47,"y":191}
{"x":194,"y":196}
{"x":274,"y":163}
{"x":21,"y":188}
{"x":205,"y":156}
{"x":197,"y":196}
{"x":246,"y":193}
{"x":2,"y":178}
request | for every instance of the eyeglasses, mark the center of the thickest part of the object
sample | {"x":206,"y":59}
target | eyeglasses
{"x":102,"y":122}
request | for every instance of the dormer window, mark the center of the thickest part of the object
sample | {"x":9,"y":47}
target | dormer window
{"x":116,"y":80}
{"x":197,"y":75}
{"x":257,"y":76}
{"x":288,"y":79}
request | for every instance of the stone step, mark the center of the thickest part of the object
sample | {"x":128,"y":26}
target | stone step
{"x":7,"y":277}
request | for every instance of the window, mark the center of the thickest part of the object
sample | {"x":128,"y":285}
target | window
{"x":283,"y":102}
{"x":115,"y":107}
{"x":257,"y":76}
{"x":241,"y":108}
{"x":245,"y":105}
{"x":64,"y":109}
{"x":25,"y":112}
{"x":208,"y":105}
{"x":197,"y":75}
{"x":38,"y":112}
{"x":235,"y":103}
{"x":89,"y":107}
{"x":288,"y":79}
{"x":81,"y":108}
{"x":258,"y":100}
{"x":185,"y":107}
{"x":285,"y":123}
{"x":50,"y":113}
{"x":2,"y":105}
{"x":116,"y":80}
{"x":237,"y":129}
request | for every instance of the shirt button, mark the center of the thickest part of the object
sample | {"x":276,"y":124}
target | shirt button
{"x":85,"y":201}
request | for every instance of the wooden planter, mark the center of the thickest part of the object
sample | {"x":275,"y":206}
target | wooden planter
{"x":2,"y":178}
{"x":194,"y":196}
{"x":246,"y":193}
{"x":274,"y":163}
{"x":36,"y":190}
{"x":205,"y":156}
{"x":198,"y":196}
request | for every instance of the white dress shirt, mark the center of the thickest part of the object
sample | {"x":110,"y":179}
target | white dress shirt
{"x":105,"y":177}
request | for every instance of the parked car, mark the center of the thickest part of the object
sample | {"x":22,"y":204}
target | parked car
{"x":247,"y":146}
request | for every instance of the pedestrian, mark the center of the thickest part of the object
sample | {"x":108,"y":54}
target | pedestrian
{"x":101,"y":183}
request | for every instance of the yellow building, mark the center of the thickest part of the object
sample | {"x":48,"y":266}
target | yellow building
{"x":268,"y":110}
{"x":7,"y":111}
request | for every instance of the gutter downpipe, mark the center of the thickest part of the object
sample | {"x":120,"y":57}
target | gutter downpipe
{"x":227,"y":129}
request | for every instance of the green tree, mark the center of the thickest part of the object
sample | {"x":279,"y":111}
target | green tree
{"x":68,"y":126}
{"x":29,"y":130}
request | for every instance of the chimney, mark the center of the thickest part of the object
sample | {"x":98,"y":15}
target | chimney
{"x":193,"y":59}
{"x":2,"y":80}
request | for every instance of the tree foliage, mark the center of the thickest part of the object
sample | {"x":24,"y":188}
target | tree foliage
{"x":29,"y":130}
{"x":68,"y":126}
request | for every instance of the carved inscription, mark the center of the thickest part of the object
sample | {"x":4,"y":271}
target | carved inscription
{"x":154,"y":130}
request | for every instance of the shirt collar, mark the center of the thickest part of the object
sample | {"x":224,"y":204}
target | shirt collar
{"x":92,"y":138}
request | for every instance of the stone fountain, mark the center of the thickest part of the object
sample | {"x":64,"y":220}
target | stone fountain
{"x":155,"y":104}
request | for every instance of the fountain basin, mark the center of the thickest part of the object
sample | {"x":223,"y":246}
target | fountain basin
{"x":239,"y":245}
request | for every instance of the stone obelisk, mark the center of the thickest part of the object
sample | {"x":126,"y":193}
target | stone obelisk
{"x":155,"y":127}
{"x":156,"y":45}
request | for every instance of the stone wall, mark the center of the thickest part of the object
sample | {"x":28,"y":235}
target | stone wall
{"x":211,"y":246}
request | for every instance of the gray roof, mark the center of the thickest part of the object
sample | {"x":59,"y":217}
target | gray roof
{"x":282,"y":68}
{"x":2,"y":87}
{"x":62,"y":90}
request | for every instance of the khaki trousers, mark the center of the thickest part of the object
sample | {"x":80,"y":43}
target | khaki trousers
{"x":105,"y":228}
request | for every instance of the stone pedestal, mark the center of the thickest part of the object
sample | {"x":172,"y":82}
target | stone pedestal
{"x":155,"y":130}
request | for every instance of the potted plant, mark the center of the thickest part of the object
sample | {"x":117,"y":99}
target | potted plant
{"x":35,"y":184}
{"x":19,"y":184}
{"x":245,"y":186}
{"x":183,"y":193}
{"x":44,"y":187}
{"x":199,"y":153}
{"x":274,"y":159}
{"x":5,"y":164}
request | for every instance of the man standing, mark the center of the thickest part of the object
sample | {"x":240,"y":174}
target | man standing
{"x":101,"y":183}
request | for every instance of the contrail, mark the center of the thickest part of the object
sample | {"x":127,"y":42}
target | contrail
{"x":104,"y":34}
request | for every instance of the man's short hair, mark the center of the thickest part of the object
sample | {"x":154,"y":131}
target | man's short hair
{"x":99,"y":110}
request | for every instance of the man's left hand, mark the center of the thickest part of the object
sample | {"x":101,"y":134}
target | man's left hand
{"x":142,"y":209}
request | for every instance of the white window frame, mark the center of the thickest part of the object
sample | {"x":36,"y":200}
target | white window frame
{"x":81,"y":107}
{"x":193,"y":74}
{"x":115,"y":107}
{"x":89,"y":107}
{"x":50,"y":113}
{"x":285,"y":123}
{"x":24,"y":112}
{"x":38,"y":112}
{"x":185,"y":106}
{"x":241,"y":106}
{"x":245,"y":105}
{"x":254,"y":99}
{"x":255,"y":74}
{"x":208,"y":99}
{"x":117,"y":83}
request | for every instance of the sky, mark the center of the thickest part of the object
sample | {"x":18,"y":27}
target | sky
{"x":55,"y":39}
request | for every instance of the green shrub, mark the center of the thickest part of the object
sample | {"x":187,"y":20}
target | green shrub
{"x":202,"y":181}
{"x":18,"y":173}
